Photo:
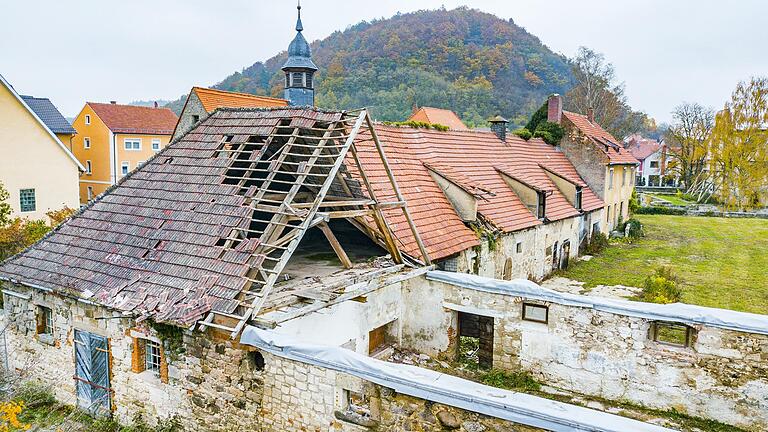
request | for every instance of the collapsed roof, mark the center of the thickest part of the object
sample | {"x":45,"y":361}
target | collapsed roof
{"x":202,"y":230}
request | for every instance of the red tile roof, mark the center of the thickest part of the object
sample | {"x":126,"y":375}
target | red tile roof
{"x":438,"y":116}
{"x":617,"y":155}
{"x":642,"y":148}
{"x":473,"y":160}
{"x":213,"y":98}
{"x":135,"y":119}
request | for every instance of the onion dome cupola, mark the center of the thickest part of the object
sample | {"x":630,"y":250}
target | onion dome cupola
{"x":299,"y":70}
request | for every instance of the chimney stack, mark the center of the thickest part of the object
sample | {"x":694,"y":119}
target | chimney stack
{"x":499,"y":127}
{"x":555,"y":108}
{"x":155,"y":104}
{"x":591,"y":115}
{"x":113,"y":102}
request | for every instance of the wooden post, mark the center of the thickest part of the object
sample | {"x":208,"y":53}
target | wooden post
{"x":345,"y":261}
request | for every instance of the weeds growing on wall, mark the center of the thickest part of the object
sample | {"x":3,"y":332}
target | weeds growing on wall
{"x":517,"y":380}
{"x":172,"y":337}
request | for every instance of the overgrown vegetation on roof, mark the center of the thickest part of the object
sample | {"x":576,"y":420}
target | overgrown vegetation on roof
{"x":418,"y":125}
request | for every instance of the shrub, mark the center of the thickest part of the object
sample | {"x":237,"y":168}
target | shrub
{"x":635,"y":228}
{"x":597,"y":243}
{"x":523,"y":133}
{"x":661,"y":287}
{"x":550,"y":132}
{"x":518,"y":380}
{"x":634,"y":202}
{"x":659,"y":210}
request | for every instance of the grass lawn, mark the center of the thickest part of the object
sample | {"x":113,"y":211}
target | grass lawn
{"x":673,"y":199}
{"x":720,"y":262}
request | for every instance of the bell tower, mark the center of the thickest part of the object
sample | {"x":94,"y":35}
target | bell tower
{"x":299,"y":70}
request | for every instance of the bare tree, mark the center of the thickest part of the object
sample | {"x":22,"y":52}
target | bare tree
{"x":688,"y":141}
{"x":596,"y":88}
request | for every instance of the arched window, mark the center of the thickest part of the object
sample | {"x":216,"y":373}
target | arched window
{"x":507,"y":269}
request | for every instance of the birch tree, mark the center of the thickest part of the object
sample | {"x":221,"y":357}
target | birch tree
{"x":739,"y":147}
{"x":688,"y":141}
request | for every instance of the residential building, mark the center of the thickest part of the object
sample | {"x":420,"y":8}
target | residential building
{"x":485,"y":202}
{"x":52,"y":118}
{"x":112,"y":140}
{"x":438,"y":116}
{"x":600,"y":159}
{"x":37,"y":168}
{"x":203,"y":101}
{"x":654,"y":159}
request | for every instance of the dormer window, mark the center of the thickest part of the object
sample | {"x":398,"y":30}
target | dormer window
{"x":577,"y":200}
{"x":541,"y":208}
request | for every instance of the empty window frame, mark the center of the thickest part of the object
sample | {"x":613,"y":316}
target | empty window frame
{"x":132,"y":144}
{"x":125,"y":167}
{"x":519,"y":247}
{"x":357,"y":402}
{"x":87,"y":119}
{"x":86,"y":143}
{"x":535,"y":313}
{"x":672,"y":334}
{"x":27,"y":200}
{"x":195,"y":118}
{"x":88,"y":167}
{"x":542,"y":205}
{"x":44,"y":320}
{"x":577,"y":200}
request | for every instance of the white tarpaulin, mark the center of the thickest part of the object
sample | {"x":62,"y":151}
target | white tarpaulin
{"x":677,"y":312}
{"x":446,"y":389}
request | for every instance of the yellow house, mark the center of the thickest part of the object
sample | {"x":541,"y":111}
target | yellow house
{"x":112,"y":140}
{"x":36,"y":168}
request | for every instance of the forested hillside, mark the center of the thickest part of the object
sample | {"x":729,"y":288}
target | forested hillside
{"x":469,"y":61}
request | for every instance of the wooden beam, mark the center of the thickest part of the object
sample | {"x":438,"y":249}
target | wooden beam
{"x":349,"y":213}
{"x":345,"y":261}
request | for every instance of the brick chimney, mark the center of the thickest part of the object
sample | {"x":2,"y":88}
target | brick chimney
{"x":113,"y":102}
{"x":155,"y":104}
{"x":591,"y":115}
{"x":555,"y":109}
{"x":499,"y":127}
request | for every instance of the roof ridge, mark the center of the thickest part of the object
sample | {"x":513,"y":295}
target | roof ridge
{"x":227,"y":92}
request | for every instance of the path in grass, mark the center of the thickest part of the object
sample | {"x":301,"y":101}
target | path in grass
{"x":721,"y":262}
{"x":673,"y":199}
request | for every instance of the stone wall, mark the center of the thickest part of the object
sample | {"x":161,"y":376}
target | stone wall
{"x":302,"y":397}
{"x":723,"y":375}
{"x":193,"y":107}
{"x":534,"y":260}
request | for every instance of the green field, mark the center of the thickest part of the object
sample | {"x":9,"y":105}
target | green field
{"x":720,"y":262}
{"x":673,"y":199}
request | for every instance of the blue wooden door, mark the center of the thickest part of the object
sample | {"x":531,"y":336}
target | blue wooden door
{"x":92,"y":373}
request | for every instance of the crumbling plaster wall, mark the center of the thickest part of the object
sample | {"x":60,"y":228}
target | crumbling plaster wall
{"x":348,"y":323}
{"x":723,"y":376}
{"x":534,"y":262}
{"x":303,"y":397}
{"x":192,"y":107}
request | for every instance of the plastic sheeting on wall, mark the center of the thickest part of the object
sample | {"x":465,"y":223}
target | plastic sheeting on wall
{"x":677,"y":312}
{"x":446,"y":389}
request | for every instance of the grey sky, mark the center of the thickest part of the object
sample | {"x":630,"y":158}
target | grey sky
{"x":72,"y":51}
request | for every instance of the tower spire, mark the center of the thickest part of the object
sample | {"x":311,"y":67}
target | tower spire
{"x":299,"y":27}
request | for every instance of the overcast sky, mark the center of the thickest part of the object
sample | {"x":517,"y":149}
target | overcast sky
{"x":71,"y":51}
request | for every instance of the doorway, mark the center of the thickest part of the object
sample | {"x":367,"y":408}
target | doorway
{"x":92,"y":373}
{"x":475,"y":340}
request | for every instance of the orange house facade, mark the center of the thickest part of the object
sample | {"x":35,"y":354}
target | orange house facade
{"x":112,"y":140}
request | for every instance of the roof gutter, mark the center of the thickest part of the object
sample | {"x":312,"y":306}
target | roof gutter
{"x":49,"y":290}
